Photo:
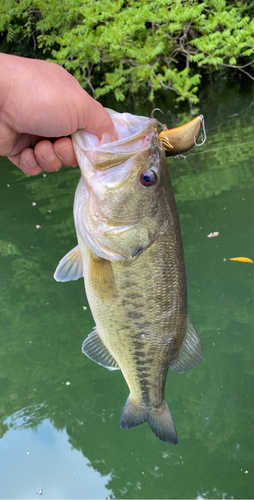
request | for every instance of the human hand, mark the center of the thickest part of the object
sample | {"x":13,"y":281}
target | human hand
{"x":41,"y":100}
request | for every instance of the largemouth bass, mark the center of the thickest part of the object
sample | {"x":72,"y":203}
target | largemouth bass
{"x":131,"y":257}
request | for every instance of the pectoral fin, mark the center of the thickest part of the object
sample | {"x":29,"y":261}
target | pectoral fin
{"x":70,"y":266}
{"x":190,"y":353}
{"x":94,"y":349}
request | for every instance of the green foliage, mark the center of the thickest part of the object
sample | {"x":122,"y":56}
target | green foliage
{"x":126,"y":47}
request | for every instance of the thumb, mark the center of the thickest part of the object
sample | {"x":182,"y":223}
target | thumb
{"x":94,"y":118}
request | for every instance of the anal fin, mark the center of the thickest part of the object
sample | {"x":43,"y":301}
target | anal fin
{"x":94,"y":349}
{"x":190,"y":353}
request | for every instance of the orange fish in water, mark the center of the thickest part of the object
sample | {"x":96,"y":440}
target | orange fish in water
{"x":242,"y":259}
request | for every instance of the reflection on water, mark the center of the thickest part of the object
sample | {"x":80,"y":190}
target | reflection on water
{"x":43,"y":460}
{"x":64,"y":409}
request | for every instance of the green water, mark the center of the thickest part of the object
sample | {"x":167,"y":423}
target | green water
{"x":65,"y":439}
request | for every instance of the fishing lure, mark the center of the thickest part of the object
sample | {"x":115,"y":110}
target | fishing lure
{"x":180,"y":139}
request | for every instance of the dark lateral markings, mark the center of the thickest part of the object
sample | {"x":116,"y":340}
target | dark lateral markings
{"x":131,"y":303}
{"x":134,"y":314}
{"x":140,"y":362}
{"x":137,"y":354}
{"x":143,"y":371}
{"x":133,"y":296}
{"x":138,"y":345}
{"x":144,"y":387}
{"x":142,"y":326}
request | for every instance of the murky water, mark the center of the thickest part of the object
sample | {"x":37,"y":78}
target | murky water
{"x":59,"y":411}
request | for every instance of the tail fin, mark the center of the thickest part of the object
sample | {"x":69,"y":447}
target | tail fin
{"x":159,"y":419}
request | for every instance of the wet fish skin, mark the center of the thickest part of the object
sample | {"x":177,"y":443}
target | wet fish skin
{"x":130,"y":247}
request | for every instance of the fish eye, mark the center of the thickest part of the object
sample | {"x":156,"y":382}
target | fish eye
{"x":148,"y":178}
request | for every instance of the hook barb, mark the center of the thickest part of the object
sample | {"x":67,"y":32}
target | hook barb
{"x":163,"y":125}
{"x":203,"y":132}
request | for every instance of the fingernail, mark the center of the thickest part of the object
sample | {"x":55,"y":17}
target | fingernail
{"x":106,"y":138}
{"x":64,"y":157}
{"x":48,"y":154}
{"x":31,"y":161}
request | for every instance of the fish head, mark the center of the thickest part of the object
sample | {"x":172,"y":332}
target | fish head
{"x":116,"y":205}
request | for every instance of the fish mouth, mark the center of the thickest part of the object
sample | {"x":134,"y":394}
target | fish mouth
{"x":134,"y":136}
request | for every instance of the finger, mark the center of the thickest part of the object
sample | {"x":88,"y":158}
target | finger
{"x":46,"y":157}
{"x":63,"y":148}
{"x":27,"y":162}
{"x":94,"y":118}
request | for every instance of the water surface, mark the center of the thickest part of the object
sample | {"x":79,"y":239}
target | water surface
{"x":59,"y":411}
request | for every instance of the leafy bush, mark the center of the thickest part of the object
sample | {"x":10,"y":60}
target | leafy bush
{"x":130,"y":46}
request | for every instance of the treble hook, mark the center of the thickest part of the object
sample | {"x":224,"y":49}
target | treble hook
{"x":163,"y":125}
{"x":202,"y":132}
{"x":180,"y":157}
